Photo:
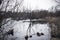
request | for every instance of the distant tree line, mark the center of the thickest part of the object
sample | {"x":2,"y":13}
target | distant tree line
{"x":27,"y":15}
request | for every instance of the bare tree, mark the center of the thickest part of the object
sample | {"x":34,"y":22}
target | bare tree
{"x":6,"y":6}
{"x":58,"y":5}
{"x":16,"y":4}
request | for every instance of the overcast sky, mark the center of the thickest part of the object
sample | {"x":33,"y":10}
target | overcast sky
{"x":38,"y":4}
{"x":33,"y":4}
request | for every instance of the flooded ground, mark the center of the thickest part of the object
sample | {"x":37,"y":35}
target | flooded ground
{"x":20,"y":30}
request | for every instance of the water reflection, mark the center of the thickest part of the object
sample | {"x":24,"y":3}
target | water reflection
{"x":20,"y":30}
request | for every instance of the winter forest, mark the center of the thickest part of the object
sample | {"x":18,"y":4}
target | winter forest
{"x":29,"y":19}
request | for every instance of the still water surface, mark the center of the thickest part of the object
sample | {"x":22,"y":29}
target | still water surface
{"x":20,"y":30}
